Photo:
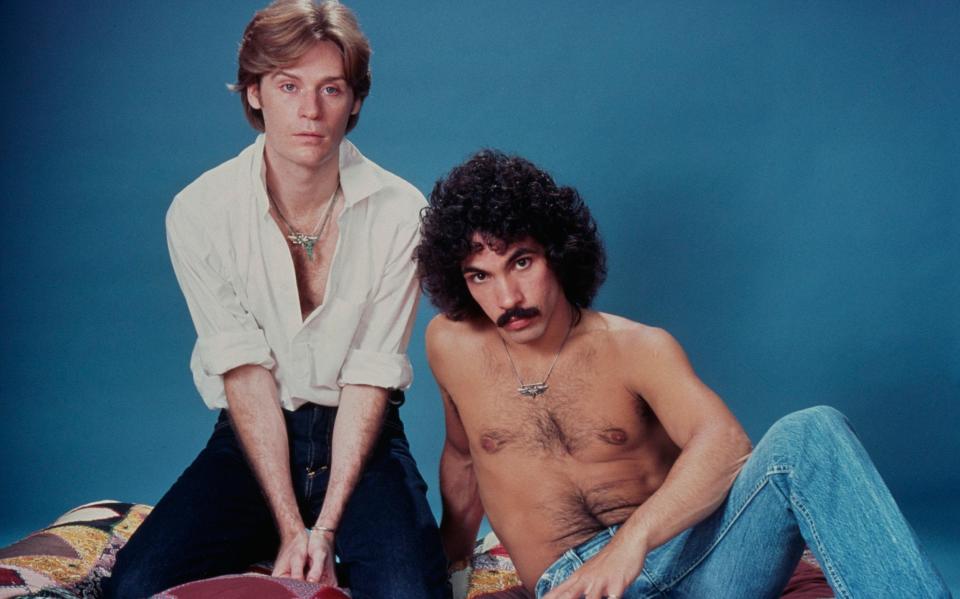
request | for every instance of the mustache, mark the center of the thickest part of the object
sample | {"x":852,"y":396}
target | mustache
{"x":517,"y":312}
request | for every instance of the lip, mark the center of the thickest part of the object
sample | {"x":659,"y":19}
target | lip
{"x":517,"y":324}
{"x":310,"y":136}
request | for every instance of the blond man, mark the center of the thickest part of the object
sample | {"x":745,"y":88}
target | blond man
{"x":295,"y":261}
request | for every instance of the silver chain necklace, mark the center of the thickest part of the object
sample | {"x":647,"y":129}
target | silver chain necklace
{"x":536,"y":389}
{"x":305,"y":241}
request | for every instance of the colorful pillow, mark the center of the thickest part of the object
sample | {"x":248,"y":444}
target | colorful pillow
{"x":70,"y":557}
{"x":251,"y":586}
{"x":491,"y":575}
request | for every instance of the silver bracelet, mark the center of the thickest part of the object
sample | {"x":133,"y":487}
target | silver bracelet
{"x":318,"y":528}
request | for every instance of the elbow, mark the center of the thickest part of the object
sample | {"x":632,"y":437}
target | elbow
{"x":740,"y":449}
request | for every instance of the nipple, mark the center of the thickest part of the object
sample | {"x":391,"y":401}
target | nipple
{"x":614,"y":436}
{"x":491,"y":443}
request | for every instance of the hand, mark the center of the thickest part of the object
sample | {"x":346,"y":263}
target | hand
{"x":292,"y":556}
{"x":303,"y":550}
{"x":607,"y":574}
{"x":320,"y":553}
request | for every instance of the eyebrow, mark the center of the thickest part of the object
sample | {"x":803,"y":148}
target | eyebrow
{"x":282,"y":73}
{"x":520,"y":251}
{"x":472,"y":269}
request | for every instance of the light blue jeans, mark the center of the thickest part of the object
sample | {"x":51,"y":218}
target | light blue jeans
{"x":808,"y":482}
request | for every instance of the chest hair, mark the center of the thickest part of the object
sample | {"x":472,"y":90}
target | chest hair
{"x":561,"y":422}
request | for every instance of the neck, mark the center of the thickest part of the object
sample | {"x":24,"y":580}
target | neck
{"x":297,"y":190}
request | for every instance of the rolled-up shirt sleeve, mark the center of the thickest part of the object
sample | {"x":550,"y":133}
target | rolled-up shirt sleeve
{"x":227,"y":334}
{"x":378,"y":354}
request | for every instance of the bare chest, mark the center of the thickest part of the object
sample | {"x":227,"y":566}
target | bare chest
{"x":583,"y":414}
{"x":313,"y":272}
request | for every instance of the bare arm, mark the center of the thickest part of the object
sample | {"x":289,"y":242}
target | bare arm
{"x":713,"y":449}
{"x":460,"y":495}
{"x":713,"y":444}
{"x":355,"y":433}
{"x":256,"y":416}
{"x":462,"y":510}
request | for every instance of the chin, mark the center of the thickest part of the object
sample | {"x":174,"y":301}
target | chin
{"x":315,"y":159}
{"x":526,"y":335}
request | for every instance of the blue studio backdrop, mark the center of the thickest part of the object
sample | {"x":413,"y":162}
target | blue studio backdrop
{"x":777,"y":184}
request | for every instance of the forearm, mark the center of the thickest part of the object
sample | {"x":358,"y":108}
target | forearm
{"x":257,"y":418}
{"x":355,"y":434}
{"x":697,"y":484}
{"x":462,"y":509}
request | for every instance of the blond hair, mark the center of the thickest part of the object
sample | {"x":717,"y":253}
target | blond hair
{"x":281,"y":33}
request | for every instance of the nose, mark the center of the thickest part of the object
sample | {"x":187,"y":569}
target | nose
{"x":508,"y":294}
{"x":311,"y":106}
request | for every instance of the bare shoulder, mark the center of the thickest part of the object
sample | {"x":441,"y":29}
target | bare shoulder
{"x":635,"y":340}
{"x":448,"y":341}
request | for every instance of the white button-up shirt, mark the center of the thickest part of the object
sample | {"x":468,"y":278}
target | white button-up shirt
{"x":235,"y":269}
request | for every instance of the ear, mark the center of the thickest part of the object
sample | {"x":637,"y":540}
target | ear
{"x":356,"y":106}
{"x":253,"y":96}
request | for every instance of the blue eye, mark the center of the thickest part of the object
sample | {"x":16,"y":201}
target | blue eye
{"x":331,"y":90}
{"x":288,"y":87}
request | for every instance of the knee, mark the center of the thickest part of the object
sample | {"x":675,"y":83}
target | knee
{"x":815,"y":421}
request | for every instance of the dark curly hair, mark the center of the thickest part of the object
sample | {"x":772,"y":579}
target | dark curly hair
{"x":505,"y":199}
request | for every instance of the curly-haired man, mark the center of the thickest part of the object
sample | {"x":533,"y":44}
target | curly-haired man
{"x":607,"y":468}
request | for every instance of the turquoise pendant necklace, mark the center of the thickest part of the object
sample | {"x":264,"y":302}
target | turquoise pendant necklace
{"x":307,"y":242}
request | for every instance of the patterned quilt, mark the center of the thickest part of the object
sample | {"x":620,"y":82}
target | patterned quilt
{"x":70,"y":558}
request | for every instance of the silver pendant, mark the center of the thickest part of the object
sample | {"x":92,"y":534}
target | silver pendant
{"x":533,"y":389}
{"x":305,"y":241}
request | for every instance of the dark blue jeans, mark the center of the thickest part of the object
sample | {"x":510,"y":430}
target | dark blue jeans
{"x":214,"y":520}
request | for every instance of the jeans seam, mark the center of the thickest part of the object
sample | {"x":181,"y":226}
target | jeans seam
{"x":840,"y":586}
{"x":571,"y":555}
{"x":308,"y":490}
{"x":760,"y":485}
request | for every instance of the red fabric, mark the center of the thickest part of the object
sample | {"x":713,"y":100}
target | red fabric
{"x":10,"y":578}
{"x":807,"y":582}
{"x":251,"y":586}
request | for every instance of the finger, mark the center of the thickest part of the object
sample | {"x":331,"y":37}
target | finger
{"x":567,"y":590}
{"x":329,"y":575}
{"x":296,"y":566}
{"x":594,"y":593}
{"x":316,"y":568}
{"x":281,"y":566}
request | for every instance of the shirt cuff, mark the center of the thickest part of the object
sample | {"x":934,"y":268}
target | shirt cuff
{"x":389,"y":371}
{"x":221,"y":353}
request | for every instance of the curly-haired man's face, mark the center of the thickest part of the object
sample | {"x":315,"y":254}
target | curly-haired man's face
{"x":516,"y":289}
